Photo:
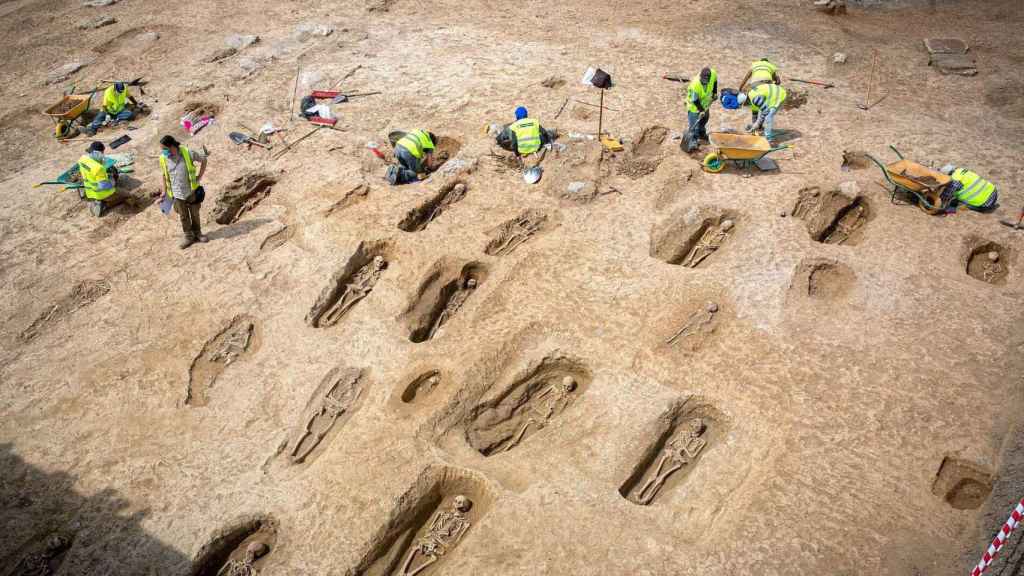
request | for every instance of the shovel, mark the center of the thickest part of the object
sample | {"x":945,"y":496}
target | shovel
{"x":532,"y":176}
{"x":1012,"y":224}
{"x":239,"y":138}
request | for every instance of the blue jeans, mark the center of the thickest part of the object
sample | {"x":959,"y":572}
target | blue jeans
{"x":698,"y":127}
{"x":408,"y":166}
{"x":122,"y":116}
{"x":768,"y":123}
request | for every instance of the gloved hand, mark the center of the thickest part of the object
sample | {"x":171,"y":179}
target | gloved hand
{"x":749,"y":128}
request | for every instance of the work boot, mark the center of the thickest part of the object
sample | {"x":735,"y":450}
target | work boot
{"x":185,"y":243}
{"x":202,"y":238}
{"x":391,"y":174}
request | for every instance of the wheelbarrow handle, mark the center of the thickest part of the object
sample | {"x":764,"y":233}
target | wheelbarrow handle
{"x":885,"y":171}
{"x":896,"y":151}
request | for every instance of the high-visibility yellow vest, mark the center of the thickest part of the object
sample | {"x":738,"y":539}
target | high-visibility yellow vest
{"x":975,"y":190}
{"x":702,"y":92}
{"x":189,"y":167}
{"x":527,"y":133}
{"x":417,"y":143}
{"x":93,"y":173}
{"x":114,"y":101}
{"x":763,"y":71}
{"x":773,"y":95}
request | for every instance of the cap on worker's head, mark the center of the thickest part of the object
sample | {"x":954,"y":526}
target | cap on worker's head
{"x":119,"y":86}
{"x":97,"y":147}
{"x":521,"y":113}
{"x":765,"y":59}
{"x":169,"y":141}
{"x":947,"y":169}
{"x":705,"y":74}
{"x":433,"y":137}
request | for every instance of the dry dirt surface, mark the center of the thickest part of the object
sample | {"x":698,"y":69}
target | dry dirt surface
{"x":469,"y":375}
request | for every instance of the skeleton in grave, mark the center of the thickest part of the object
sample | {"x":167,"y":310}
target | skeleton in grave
{"x":711,"y":240}
{"x":453,"y":305}
{"x":680,"y":450}
{"x":551,"y":401}
{"x":362,"y":282}
{"x":993,"y":268}
{"x":445,"y":530}
{"x":39,"y":563}
{"x":234,"y":344}
{"x":846,"y":225}
{"x":453,"y":196}
{"x":319,"y":420}
{"x":515,"y":232}
{"x":697,"y":322}
{"x":244,"y":566}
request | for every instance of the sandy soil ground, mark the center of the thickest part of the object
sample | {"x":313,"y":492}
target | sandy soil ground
{"x":853,"y":400}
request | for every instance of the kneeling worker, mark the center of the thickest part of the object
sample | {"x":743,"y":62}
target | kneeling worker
{"x":413,"y":151}
{"x":970,"y":189}
{"x":765,"y":101}
{"x":524,"y":137}
{"x":115,"y":107}
{"x":100,"y":182}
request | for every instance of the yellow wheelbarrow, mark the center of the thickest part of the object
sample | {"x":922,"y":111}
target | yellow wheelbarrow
{"x":66,"y":111}
{"x":747,"y":150}
{"x":920,"y":182}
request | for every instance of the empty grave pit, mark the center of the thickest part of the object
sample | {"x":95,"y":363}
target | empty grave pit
{"x":831,"y":216}
{"x":421,"y":387}
{"x":336,"y":399}
{"x":417,"y":219}
{"x":440,"y":296}
{"x":351,"y":284}
{"x":240,"y":548}
{"x":822,"y":278}
{"x":242,"y":195}
{"x":527,"y":406}
{"x":693,"y":241}
{"x":962,"y":484}
{"x":515,"y":232}
{"x":988,"y":262}
{"x":678,"y":441}
{"x":238,"y":340}
{"x":83,"y":294}
{"x":433,"y":520}
{"x":278,"y":238}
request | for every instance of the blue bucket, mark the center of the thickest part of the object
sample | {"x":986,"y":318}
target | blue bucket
{"x":729,"y":101}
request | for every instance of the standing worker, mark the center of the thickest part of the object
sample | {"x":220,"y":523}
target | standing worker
{"x":413,"y":151}
{"x":115,"y":107}
{"x":181,"y":185}
{"x":761,"y":72}
{"x":99,"y":181}
{"x":524,"y":137}
{"x":765,"y":101}
{"x":970,"y":189}
{"x":700,"y":93}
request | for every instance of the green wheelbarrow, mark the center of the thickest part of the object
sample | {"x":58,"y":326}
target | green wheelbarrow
{"x":919,"y":182}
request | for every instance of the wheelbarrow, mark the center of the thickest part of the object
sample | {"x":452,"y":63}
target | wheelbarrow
{"x":71,"y":179}
{"x":746,"y":150}
{"x":919,"y":182}
{"x":67,"y":110}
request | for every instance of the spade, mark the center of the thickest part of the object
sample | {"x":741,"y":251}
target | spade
{"x":239,"y":138}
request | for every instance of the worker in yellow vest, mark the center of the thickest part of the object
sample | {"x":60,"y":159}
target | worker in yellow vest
{"x":765,"y":101}
{"x":700,"y":93}
{"x":181,"y":186}
{"x":115,"y":107}
{"x":970,"y":189}
{"x":413,"y":151}
{"x":99,"y":181}
{"x":525,"y":137}
{"x":761,"y":71}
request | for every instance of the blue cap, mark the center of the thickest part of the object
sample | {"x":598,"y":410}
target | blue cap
{"x":119,"y":86}
{"x":521,"y":113}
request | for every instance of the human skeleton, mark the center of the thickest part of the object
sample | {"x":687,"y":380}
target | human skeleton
{"x":710,"y":241}
{"x":697,"y":321}
{"x":38,"y":564}
{"x":235,"y":343}
{"x":446,"y":529}
{"x":845,"y":226}
{"x":244,"y":566}
{"x":362,"y":283}
{"x":543,"y":407}
{"x":515,"y":232}
{"x":680,"y":450}
{"x":319,"y":421}
{"x":453,"y":305}
{"x":993,"y":268}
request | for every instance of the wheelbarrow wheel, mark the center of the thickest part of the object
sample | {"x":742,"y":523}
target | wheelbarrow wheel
{"x":713,"y":163}
{"x":930,"y":203}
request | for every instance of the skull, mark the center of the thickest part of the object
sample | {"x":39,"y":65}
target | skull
{"x":993,"y":256}
{"x":255,"y":550}
{"x":568,"y":383}
{"x":471,"y":283}
{"x":378,"y":262}
{"x":711,"y":307}
{"x":55,"y":542}
{"x":463,"y":504}
{"x":694,"y":426}
{"x":727,"y":225}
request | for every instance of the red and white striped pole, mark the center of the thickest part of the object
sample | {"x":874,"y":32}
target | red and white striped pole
{"x":997,"y":544}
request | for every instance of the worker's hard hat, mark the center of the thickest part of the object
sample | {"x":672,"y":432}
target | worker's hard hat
{"x":947,"y":169}
{"x":521,"y":113}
